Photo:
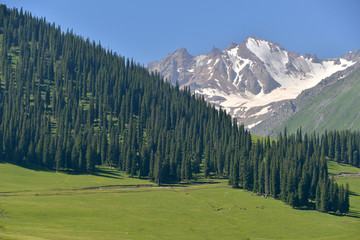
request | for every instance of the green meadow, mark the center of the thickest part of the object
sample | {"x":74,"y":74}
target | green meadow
{"x":110,"y":205}
{"x":336,"y":168}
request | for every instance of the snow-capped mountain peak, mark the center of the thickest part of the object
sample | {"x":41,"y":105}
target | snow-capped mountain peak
{"x":245,"y":78}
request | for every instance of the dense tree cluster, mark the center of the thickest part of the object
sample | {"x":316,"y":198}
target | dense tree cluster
{"x":67,"y":103}
{"x":342,"y":147}
{"x":293,"y":169}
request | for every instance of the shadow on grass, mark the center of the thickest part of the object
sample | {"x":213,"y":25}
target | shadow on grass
{"x":354,"y":193}
{"x":310,"y":207}
{"x":31,"y":167}
{"x":99,"y":171}
{"x":107,"y":173}
{"x":353,"y":214}
{"x":199,"y":182}
{"x":186,"y":184}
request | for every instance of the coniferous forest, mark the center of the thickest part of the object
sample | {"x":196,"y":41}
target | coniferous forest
{"x":66,"y":103}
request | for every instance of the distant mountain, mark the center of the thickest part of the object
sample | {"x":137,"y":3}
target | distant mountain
{"x":335,"y":107}
{"x":251,"y":80}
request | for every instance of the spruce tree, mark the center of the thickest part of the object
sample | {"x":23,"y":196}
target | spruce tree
{"x":324,"y":197}
{"x":318,"y":200}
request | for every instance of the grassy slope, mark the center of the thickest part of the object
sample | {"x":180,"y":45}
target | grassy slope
{"x":337,"y":107}
{"x":19,"y":179}
{"x":254,"y":138}
{"x":35,"y":209}
{"x":335,"y":168}
{"x":353,"y":179}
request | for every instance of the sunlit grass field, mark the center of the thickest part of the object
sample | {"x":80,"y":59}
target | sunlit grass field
{"x":49,"y":205}
{"x":350,"y":175}
{"x":335,"y":168}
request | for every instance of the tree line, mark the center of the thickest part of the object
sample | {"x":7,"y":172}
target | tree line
{"x":66,"y":103}
{"x":293,"y":168}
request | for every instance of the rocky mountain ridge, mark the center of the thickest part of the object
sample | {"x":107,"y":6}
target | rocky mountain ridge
{"x":251,"y":80}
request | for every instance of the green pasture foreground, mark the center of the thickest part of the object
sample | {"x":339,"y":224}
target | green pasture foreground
{"x":17,"y":179}
{"x":40,"y":205}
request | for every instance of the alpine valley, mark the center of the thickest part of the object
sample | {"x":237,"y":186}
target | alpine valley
{"x":94,"y":146}
{"x":257,"y":81}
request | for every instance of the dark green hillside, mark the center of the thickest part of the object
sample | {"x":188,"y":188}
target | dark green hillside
{"x":68,"y":104}
{"x":335,"y":108}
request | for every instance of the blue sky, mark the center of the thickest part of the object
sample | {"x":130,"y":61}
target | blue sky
{"x":149,"y":30}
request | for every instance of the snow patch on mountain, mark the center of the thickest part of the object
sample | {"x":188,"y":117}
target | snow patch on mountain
{"x":246,"y":78}
{"x":262,"y":111}
{"x":250,"y":126}
{"x":200,"y":60}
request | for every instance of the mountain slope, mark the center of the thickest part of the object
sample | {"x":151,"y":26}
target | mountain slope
{"x":284,"y":110}
{"x":245,"y":78}
{"x":335,"y":107}
{"x":68,"y":104}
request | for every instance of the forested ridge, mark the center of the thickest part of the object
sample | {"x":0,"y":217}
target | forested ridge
{"x":66,"y":103}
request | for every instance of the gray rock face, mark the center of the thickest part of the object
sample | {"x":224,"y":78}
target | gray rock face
{"x":254,"y":80}
{"x":171,"y":66}
{"x":233,"y":69}
{"x":352,"y":55}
